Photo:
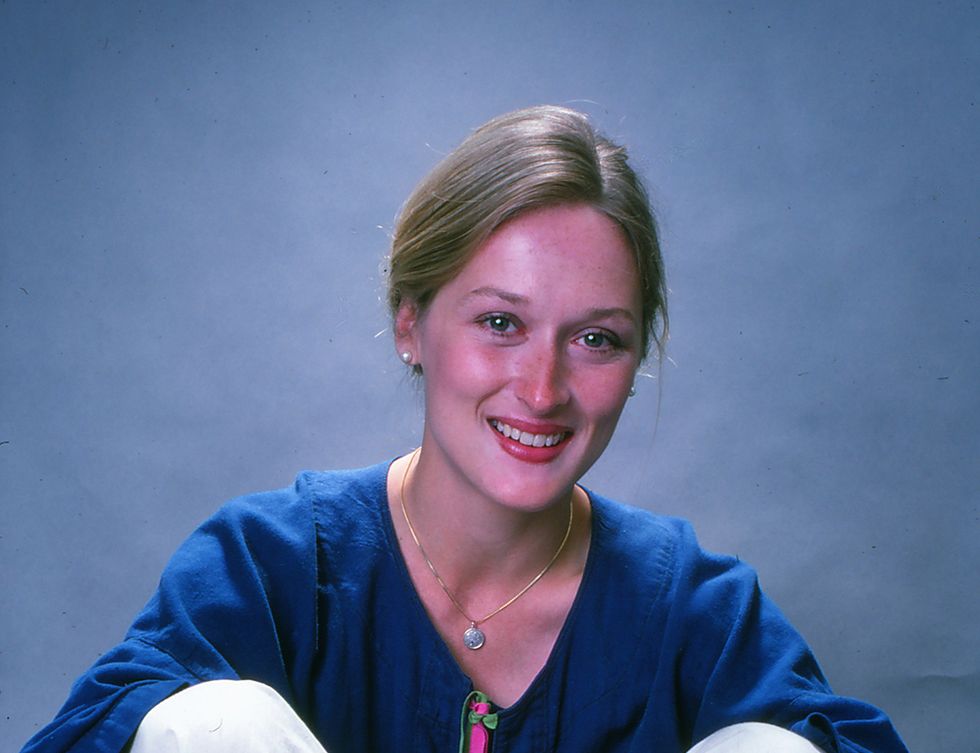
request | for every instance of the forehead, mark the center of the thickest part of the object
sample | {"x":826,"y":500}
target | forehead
{"x":567,"y":253}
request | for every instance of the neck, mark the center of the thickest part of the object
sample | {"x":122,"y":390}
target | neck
{"x":476,"y":542}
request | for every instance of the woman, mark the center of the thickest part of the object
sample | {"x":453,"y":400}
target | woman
{"x":470,"y":594}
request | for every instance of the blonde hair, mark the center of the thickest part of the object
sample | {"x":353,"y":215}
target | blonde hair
{"x":523,"y":160}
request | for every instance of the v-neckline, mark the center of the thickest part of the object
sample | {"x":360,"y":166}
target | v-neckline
{"x":443,"y":653}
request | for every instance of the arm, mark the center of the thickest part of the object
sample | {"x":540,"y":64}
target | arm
{"x":744,"y":662}
{"x":236,"y":600}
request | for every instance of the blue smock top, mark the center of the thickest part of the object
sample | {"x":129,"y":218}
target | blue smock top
{"x":305,"y":589}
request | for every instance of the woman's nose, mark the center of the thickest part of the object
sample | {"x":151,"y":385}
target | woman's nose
{"x":542,"y":381}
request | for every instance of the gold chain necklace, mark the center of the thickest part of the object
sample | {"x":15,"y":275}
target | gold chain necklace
{"x":474,"y":638}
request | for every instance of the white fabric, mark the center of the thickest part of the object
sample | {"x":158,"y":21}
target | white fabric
{"x":239,"y":716}
{"x":242,"y":716}
{"x":754,"y":737}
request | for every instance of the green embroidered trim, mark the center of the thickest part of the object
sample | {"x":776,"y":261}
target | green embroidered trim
{"x":489,"y":720}
{"x":469,"y":718}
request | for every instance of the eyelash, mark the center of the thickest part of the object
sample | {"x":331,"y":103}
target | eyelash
{"x":488,"y":318}
{"x":610,"y":341}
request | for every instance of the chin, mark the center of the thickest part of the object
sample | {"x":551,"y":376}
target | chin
{"x":537,"y":489}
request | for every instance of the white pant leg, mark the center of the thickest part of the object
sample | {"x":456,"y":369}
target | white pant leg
{"x":754,"y":737}
{"x":224,"y":716}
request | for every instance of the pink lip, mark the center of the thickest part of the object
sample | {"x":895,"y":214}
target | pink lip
{"x":527,"y":453}
{"x":534,"y":427}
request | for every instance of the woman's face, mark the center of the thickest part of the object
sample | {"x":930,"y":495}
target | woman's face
{"x":529,"y":355}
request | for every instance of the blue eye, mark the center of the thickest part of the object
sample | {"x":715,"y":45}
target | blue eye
{"x":599,"y":341}
{"x":498,"y":323}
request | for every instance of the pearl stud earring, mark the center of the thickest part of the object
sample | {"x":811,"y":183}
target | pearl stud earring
{"x":632,"y":392}
{"x":406,"y":357}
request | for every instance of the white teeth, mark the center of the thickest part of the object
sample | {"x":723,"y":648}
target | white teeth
{"x":527,"y":438}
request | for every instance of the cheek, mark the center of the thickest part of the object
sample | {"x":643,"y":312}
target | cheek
{"x":604,"y":395}
{"x":467,"y":369}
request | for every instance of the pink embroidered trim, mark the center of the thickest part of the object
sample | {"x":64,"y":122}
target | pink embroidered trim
{"x":479,"y":736}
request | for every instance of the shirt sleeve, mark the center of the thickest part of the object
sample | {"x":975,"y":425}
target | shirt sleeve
{"x":237,"y":600}
{"x":745,"y":662}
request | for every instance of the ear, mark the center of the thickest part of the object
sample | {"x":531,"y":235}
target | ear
{"x":407,"y":334}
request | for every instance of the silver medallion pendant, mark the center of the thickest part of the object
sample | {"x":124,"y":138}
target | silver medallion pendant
{"x":474,"y":638}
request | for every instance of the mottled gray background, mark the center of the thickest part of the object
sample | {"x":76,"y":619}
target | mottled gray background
{"x":194,"y":201}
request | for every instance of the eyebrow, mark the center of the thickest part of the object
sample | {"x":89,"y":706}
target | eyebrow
{"x":488,"y":291}
{"x":611,"y":312}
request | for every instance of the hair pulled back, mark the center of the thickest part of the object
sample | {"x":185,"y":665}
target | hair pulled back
{"x":517,"y":162}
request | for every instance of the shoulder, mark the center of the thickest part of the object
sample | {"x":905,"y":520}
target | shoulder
{"x":635,"y":527}
{"x":348,"y":506}
{"x":699,"y":598}
{"x":660,"y":557}
{"x":633,"y":535}
{"x":273,"y":528}
{"x":349,"y":490}
{"x":645,"y":576}
{"x":337,"y":494}
{"x":259,"y":555}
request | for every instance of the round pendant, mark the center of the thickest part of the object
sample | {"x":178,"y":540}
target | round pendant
{"x":473,"y":638}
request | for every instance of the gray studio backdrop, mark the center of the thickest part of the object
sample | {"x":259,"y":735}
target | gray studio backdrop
{"x":195,"y":198}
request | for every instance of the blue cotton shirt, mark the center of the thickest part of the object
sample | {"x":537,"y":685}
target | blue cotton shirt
{"x":305,"y":590}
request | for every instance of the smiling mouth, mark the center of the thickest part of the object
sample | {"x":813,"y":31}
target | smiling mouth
{"x":528,"y":439}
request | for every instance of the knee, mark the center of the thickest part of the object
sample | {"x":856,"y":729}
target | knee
{"x":755,"y":737}
{"x":215,"y":716}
